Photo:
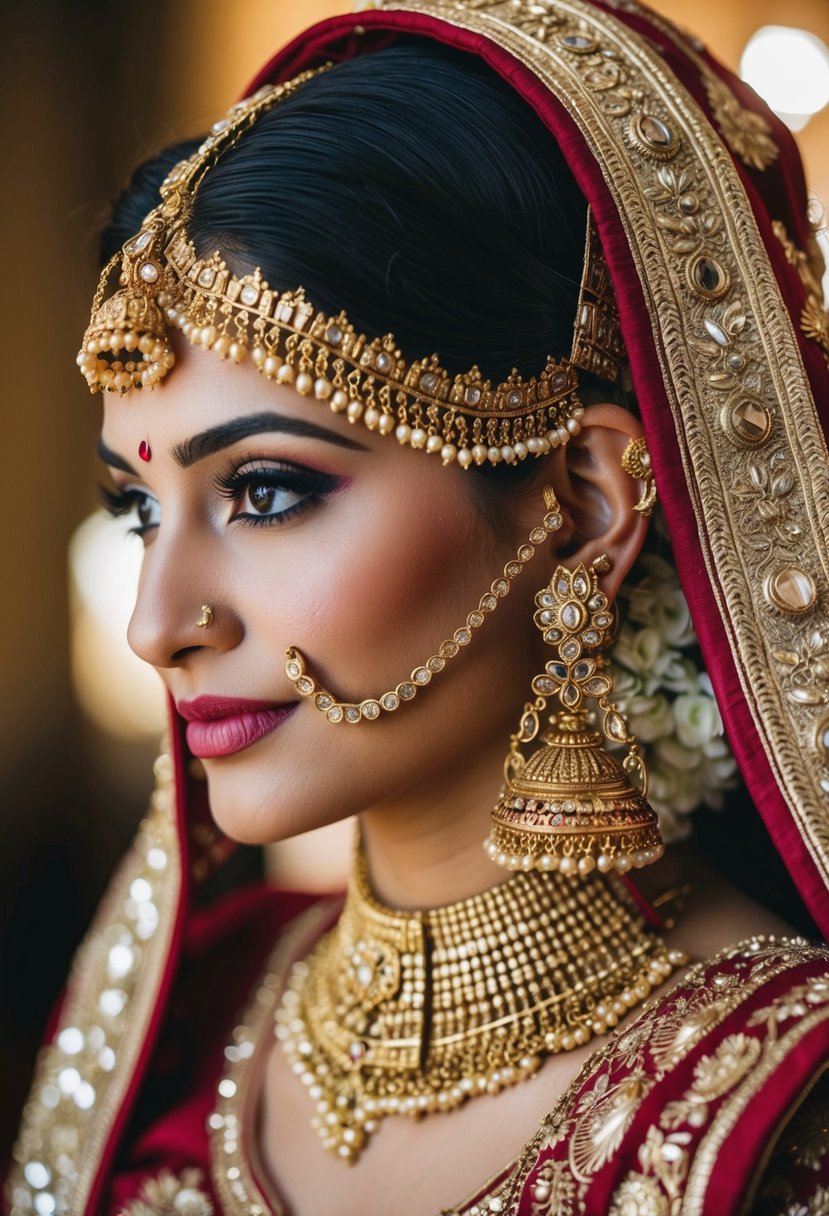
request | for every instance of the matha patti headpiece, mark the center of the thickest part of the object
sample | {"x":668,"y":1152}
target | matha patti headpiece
{"x":464,"y":417}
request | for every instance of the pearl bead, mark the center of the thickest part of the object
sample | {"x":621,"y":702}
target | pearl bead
{"x":259,"y":355}
{"x":209,"y":335}
{"x":464,"y":458}
{"x":623,"y":863}
{"x":448,"y":453}
{"x":339,"y":401}
{"x":386,"y":424}
{"x":418,"y":438}
{"x":403,"y":433}
{"x":573,"y":426}
{"x":286,"y":374}
{"x":271,"y":366}
{"x":372,"y":418}
{"x":479,"y":453}
{"x":354,"y":411}
{"x":508,"y":454}
{"x":494,"y":455}
{"x":304,"y":384}
{"x":604,"y":863}
{"x":586,"y":864}
{"x":434,"y":443}
{"x":521,"y":450}
{"x":222,"y":345}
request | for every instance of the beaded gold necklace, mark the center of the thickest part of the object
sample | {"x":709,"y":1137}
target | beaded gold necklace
{"x":415,"y":1012}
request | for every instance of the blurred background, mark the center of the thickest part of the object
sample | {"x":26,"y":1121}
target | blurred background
{"x":87,"y":92}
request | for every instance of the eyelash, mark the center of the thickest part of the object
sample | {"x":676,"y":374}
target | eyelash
{"x":234,"y":484}
{"x":118,"y":503}
{"x":279,"y":475}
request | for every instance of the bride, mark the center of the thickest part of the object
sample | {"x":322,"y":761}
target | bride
{"x":578,"y":553}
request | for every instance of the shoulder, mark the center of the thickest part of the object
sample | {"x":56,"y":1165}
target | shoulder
{"x":686,"y":1108}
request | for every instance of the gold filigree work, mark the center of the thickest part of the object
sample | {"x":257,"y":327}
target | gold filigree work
{"x":171,"y":1195}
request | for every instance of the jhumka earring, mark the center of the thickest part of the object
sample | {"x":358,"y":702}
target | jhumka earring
{"x":572,"y":805}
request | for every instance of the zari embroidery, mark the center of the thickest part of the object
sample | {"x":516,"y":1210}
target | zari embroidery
{"x":81,"y":1078}
{"x":614,"y":1083}
{"x":814,"y":319}
{"x":168,"y":1195}
{"x":698,"y":251}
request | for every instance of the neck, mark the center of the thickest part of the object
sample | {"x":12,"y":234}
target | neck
{"x":424,"y":849}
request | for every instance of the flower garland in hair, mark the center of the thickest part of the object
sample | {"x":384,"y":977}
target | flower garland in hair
{"x":662,"y":687}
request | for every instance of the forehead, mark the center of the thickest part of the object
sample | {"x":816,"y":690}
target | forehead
{"x":202,"y":392}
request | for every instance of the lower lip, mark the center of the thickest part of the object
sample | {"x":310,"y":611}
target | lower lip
{"x":226,"y":736}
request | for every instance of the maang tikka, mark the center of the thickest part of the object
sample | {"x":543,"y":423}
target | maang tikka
{"x":571,"y":806}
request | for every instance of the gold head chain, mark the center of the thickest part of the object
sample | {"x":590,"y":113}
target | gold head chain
{"x":463,"y":418}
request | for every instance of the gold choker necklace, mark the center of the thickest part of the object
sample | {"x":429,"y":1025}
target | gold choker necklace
{"x":415,"y":1012}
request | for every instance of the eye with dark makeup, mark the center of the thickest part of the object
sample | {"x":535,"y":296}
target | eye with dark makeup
{"x":273,"y":490}
{"x":267,"y":492}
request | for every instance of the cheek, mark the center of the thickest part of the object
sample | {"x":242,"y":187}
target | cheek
{"x":370,"y":588}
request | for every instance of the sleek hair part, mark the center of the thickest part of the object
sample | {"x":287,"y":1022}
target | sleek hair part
{"x":410,"y":187}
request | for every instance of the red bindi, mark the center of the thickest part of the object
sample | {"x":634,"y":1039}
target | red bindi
{"x":144,"y":451}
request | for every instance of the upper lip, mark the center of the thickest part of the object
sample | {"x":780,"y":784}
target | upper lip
{"x":208,"y":708}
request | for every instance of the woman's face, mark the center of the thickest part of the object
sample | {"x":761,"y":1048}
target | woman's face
{"x":300,"y":529}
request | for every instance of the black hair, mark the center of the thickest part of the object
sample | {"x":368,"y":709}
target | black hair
{"x":411,"y":187}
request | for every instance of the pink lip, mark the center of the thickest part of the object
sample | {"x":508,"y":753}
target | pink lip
{"x":222,"y":726}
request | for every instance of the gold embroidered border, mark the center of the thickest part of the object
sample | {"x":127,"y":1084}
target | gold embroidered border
{"x":748,"y":134}
{"x":81,"y":1078}
{"x":755,"y":962}
{"x":706,"y":278}
{"x":705,"y":1158}
{"x":231,"y":1160}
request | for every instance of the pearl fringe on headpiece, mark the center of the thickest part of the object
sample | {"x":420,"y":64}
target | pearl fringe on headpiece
{"x":463,"y":418}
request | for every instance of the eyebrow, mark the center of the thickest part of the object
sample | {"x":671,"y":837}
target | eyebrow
{"x":217,"y":438}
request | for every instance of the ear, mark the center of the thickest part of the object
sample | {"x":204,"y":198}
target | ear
{"x":598,"y":497}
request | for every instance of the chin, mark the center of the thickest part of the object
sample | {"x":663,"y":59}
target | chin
{"x":250,"y":807}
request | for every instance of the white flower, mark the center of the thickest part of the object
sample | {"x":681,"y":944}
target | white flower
{"x":649,"y":717}
{"x":642,"y":651}
{"x":667,"y":696}
{"x":658,"y":603}
{"x":679,"y":674}
{"x":697,"y":719}
{"x":625,"y":686}
{"x":675,"y":755}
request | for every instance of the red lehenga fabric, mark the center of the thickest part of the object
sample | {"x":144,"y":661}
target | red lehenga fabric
{"x":715,"y":1099}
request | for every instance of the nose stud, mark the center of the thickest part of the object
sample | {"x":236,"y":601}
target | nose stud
{"x":205,"y":617}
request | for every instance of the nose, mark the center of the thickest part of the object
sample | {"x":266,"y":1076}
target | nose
{"x":181,"y":608}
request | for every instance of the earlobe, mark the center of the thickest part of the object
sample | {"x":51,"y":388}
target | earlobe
{"x":600,"y":495}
